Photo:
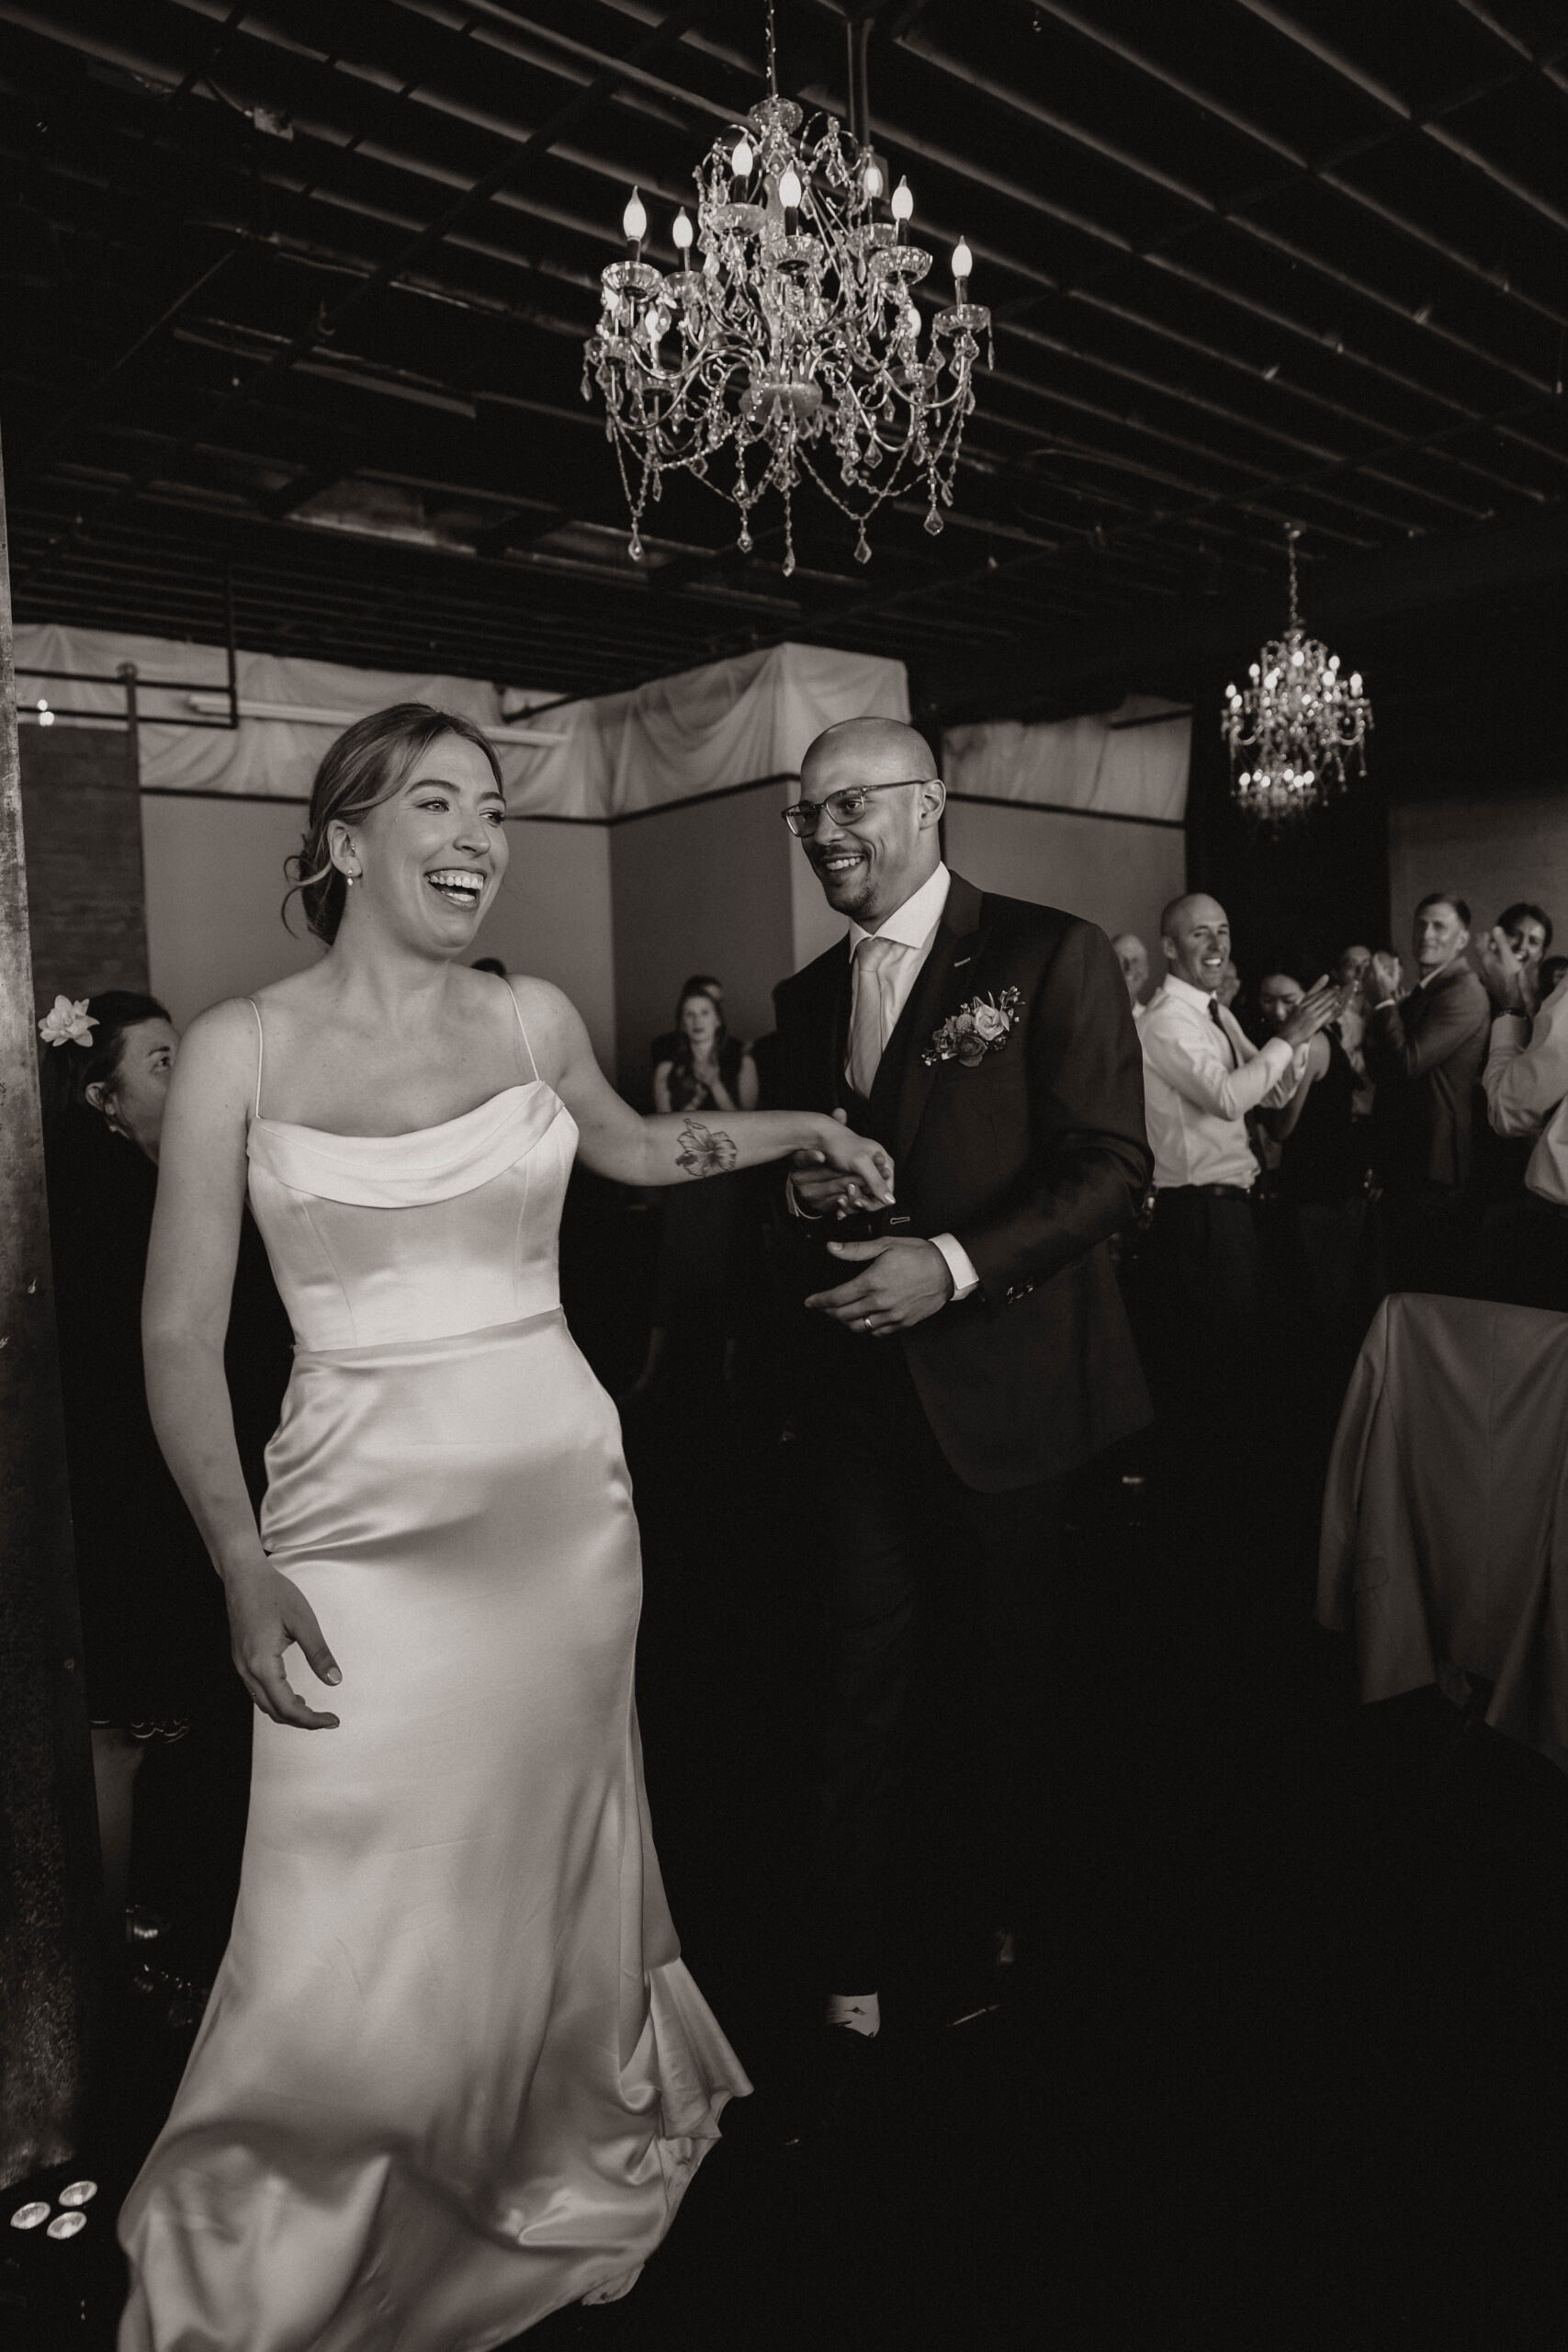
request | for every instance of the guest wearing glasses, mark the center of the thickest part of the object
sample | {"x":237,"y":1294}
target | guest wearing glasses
{"x":969,"y":1347}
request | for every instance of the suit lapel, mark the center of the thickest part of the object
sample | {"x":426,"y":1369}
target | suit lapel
{"x":827,"y":1021}
{"x":907,"y":1077}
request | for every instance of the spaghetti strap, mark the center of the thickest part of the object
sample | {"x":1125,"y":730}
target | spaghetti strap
{"x":518,"y":1010}
{"x":261,"y":1052}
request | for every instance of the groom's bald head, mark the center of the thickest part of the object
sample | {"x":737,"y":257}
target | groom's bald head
{"x":889,"y":746}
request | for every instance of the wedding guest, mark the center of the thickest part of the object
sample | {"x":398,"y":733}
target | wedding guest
{"x":155,"y":1636}
{"x":1351,"y":1024}
{"x":1319,"y":1205}
{"x":971,"y":1352}
{"x":1424,"y":1050}
{"x":1524,"y":1246}
{"x":1552,"y":971}
{"x":706,"y":1070}
{"x":668,"y":1042}
{"x":1202,"y":1075}
{"x":1134,"y":957}
{"x":1528,"y":930}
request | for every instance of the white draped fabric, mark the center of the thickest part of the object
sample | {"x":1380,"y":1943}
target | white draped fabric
{"x":729,"y":722}
{"x":1131,"y":761}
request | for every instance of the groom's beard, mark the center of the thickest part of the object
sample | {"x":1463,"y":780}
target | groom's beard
{"x":848,"y":893}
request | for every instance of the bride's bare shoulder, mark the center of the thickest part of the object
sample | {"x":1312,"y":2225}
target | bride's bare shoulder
{"x":541,"y":1002}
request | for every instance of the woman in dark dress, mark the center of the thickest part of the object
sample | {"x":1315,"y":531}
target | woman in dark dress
{"x":154,"y":1628}
{"x":706,"y":1070}
{"x":1320,"y":1191}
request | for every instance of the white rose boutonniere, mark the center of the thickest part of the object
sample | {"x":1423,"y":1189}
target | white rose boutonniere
{"x":68,"y":1022}
{"x":980,"y":1027}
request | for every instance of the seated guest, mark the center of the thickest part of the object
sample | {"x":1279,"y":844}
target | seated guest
{"x":1424,"y":1050}
{"x":1134,"y":957}
{"x":706,"y":1070}
{"x":1202,"y":1075}
{"x":1525,"y":1243}
{"x":667,"y":1045}
{"x":1320,"y":1189}
{"x":1528,"y":930}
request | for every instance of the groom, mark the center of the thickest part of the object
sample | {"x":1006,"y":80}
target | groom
{"x":972,"y":1353}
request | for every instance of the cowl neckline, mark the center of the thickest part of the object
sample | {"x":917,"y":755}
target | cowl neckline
{"x":421,"y":1164}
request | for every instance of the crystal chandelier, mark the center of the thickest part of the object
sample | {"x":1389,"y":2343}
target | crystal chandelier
{"x":793,"y":349}
{"x":1297,"y":723}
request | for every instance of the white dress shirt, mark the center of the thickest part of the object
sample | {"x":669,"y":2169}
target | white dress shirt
{"x":913,"y":927}
{"x":1200,"y":1077}
{"x":1525,"y":1080}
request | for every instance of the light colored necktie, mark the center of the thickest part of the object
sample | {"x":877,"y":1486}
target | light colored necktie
{"x":871,"y":1023}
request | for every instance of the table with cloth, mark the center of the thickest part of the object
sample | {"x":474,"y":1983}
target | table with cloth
{"x":1444,"y":1539}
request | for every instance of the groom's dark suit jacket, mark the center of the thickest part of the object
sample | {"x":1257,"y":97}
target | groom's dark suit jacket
{"x":1032,"y":1159}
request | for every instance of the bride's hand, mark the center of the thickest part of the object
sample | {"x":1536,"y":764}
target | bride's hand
{"x":266,"y":1613}
{"x":856,"y":1157}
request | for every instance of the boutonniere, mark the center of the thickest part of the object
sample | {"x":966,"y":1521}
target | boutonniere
{"x":980,"y":1027}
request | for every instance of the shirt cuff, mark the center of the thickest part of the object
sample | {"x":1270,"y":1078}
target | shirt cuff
{"x":959,"y":1265}
{"x":1510,"y":1029}
{"x":1271,"y":1053}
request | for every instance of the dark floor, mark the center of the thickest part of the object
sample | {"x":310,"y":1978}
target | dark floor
{"x":1291,"y":2070}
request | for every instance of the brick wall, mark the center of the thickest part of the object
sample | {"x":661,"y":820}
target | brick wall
{"x":82,"y":825}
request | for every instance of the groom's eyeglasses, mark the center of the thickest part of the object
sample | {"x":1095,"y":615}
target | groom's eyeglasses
{"x":844,"y":807}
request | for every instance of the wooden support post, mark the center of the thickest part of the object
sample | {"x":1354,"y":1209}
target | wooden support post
{"x":49,"y":1842}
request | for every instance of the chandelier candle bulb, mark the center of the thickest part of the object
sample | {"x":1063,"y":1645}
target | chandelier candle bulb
{"x":683,"y":232}
{"x":903,"y":207}
{"x":742,"y":160}
{"x":872,"y":182}
{"x":634,"y":224}
{"x":790,"y":193}
{"x":962,"y":263}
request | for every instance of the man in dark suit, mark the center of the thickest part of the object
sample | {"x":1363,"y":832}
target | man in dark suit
{"x":973,"y":1351}
{"x":1425,"y":1051}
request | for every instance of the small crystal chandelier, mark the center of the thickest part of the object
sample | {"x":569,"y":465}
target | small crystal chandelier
{"x":795,"y":345}
{"x":1298,"y":722}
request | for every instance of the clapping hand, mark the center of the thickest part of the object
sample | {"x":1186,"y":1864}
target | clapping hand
{"x":1509,"y":981}
{"x":1382,"y":978}
{"x":1320,"y":1004}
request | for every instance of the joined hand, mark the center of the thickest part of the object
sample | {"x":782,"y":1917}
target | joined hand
{"x":904,"y":1282}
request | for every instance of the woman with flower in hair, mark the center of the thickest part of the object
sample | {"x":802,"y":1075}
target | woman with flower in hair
{"x":153,"y":1634}
{"x":454,"y":2074}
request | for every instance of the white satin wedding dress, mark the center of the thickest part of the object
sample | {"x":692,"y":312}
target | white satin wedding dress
{"x":453,"y":2072}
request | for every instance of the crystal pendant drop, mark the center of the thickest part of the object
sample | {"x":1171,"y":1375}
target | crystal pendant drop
{"x":862,"y":548}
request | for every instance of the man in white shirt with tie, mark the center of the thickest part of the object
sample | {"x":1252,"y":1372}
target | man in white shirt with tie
{"x":1202,"y":1075}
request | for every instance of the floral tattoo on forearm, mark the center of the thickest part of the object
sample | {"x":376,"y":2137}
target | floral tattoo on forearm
{"x":708,"y":1152}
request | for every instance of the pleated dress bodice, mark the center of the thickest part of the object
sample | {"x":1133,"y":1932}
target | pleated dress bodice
{"x":378,"y":1239}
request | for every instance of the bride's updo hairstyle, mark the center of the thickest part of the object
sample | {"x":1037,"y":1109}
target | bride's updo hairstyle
{"x":366,"y":764}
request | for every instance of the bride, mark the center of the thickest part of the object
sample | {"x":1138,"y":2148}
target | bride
{"x":454,"y":2074}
